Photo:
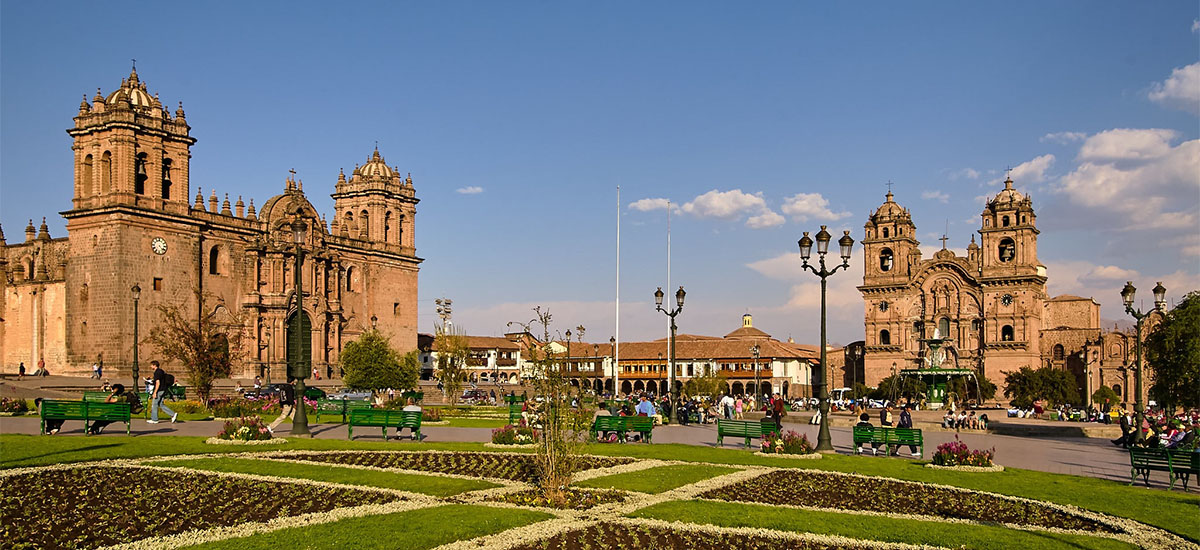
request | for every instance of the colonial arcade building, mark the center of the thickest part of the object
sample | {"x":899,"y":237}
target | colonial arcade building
{"x":68,"y":300}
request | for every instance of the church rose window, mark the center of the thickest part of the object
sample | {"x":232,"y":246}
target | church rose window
{"x":1008,"y":250}
{"x":885,"y":259}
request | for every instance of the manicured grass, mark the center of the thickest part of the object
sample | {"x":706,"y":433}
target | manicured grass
{"x":413,"y":530}
{"x":1174,"y":511}
{"x":430,"y":485}
{"x":657,"y":480}
{"x":951,"y":535}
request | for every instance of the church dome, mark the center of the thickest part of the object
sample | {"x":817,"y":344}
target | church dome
{"x":889,"y":210}
{"x":133,"y":91}
{"x":375,"y":167}
{"x":1008,"y":194}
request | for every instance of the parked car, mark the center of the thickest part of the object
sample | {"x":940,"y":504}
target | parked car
{"x":350,"y":395}
{"x":474,"y":396}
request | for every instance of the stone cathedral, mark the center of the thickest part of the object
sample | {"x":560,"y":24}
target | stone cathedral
{"x":990,"y":303}
{"x":137,"y":219}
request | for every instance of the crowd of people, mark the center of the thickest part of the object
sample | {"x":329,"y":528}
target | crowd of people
{"x":1161,"y":430}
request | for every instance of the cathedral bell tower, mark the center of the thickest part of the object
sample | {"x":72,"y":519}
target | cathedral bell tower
{"x":1012,"y":281}
{"x":890,"y":245}
{"x":130,"y":150}
{"x":1009,"y":234}
{"x":376,"y":205}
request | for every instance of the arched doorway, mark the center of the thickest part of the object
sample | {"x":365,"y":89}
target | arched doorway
{"x":299,"y":345}
{"x":598,"y":385}
{"x":765,"y":389}
{"x":639,"y":386}
{"x":785,"y":388}
{"x":737,"y":388}
{"x":608,"y":385}
{"x":575,"y":382}
{"x":662,"y":387}
{"x":626,"y":387}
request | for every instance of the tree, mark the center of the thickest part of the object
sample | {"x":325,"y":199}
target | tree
{"x":1025,"y":386}
{"x":206,"y":347}
{"x":563,"y":426}
{"x":966,"y":387}
{"x":452,"y":352}
{"x":710,"y":383}
{"x":1104,"y":393}
{"x":371,"y":363}
{"x":1173,"y":351}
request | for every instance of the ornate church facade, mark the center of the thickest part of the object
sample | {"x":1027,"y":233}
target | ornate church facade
{"x":992,"y":304}
{"x":69,"y":301}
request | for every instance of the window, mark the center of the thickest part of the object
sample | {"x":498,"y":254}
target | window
{"x":1006,"y":333}
{"x":158,"y":283}
{"x":1004,"y":221}
{"x":1058,"y":352}
{"x":387,"y":226}
{"x":885,"y":232}
{"x":1007,"y":250}
{"x":885,"y":259}
{"x":944,"y":327}
{"x":86,"y":183}
{"x":214,"y":254}
{"x":885,"y":338}
{"x":396,"y":308}
{"x":350,"y":275}
{"x":105,"y":172}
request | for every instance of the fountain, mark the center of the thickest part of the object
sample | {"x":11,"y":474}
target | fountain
{"x":932,"y":374}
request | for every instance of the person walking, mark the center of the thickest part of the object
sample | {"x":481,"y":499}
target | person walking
{"x":96,"y":370}
{"x":21,"y":371}
{"x":287,"y":404}
{"x":100,"y":367}
{"x":163,"y":381}
{"x":779,"y":412}
{"x":885,"y":417}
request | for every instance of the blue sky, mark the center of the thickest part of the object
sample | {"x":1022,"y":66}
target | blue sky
{"x":519,"y":120}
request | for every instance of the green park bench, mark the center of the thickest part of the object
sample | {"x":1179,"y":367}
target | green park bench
{"x":87,"y":411}
{"x":514,"y":408}
{"x":748,"y":429}
{"x":622,"y":425}
{"x":102,"y":396}
{"x":340,"y":407}
{"x":386,"y":419}
{"x":887,"y":437}
{"x":1179,"y":464}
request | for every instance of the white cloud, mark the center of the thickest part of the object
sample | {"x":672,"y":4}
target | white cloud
{"x":1127,"y":144}
{"x":968,"y":173}
{"x":1181,"y":90}
{"x":469,"y":190}
{"x":936,"y":195}
{"x":1196,"y":25}
{"x":842,"y":297}
{"x":1063,"y":137}
{"x":1032,"y":171}
{"x":767,"y":219}
{"x":1135,"y":179}
{"x":803,"y":206}
{"x":1103,"y":284}
{"x":725,"y":204}
{"x":646,"y":205}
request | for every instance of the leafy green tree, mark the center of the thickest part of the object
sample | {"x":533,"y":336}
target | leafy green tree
{"x":709,"y":384}
{"x":206,"y":347}
{"x":1102,"y":393}
{"x":452,"y":352}
{"x":1056,"y":386}
{"x":1173,"y":353}
{"x":371,"y":363}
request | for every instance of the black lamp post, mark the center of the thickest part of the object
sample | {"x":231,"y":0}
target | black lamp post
{"x":1160,"y":303}
{"x":612,"y":348}
{"x":754,"y":350}
{"x":137,"y":295}
{"x":265,"y":348}
{"x":595,"y":358}
{"x":658,"y":300}
{"x":846,"y":243}
{"x":299,"y":369}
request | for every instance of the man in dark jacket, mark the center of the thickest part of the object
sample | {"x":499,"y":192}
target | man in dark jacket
{"x":779,"y":412}
{"x":906,"y":422}
{"x":287,"y":404}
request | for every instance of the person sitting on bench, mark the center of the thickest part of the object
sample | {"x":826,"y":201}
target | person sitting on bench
{"x":864,"y":421}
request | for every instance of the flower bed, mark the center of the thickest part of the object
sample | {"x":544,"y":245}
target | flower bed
{"x":515,"y":435}
{"x":13,"y":406}
{"x":852,"y":492}
{"x":510,"y":466}
{"x":956,"y":453}
{"x":577,"y":499}
{"x":219,"y":441}
{"x":787,"y":443}
{"x":99,"y":506}
{"x":615,"y":535}
{"x":249,"y":428}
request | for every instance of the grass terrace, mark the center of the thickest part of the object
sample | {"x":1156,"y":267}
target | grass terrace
{"x":371,"y":494}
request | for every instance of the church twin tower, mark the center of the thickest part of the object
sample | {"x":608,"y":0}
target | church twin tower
{"x":132,"y":223}
{"x":990,"y":303}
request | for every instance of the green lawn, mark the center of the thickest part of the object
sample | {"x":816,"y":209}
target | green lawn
{"x":950,"y":535}
{"x":413,"y":530}
{"x":463,"y":422}
{"x":657,"y":480}
{"x":430,"y":485}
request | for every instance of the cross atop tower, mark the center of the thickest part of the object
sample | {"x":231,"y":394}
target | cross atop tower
{"x":944,"y":239}
{"x":889,"y":184}
{"x":134,"y":64}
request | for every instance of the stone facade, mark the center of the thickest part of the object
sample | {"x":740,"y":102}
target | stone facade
{"x":131,"y":223}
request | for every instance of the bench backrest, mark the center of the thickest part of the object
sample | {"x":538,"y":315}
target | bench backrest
{"x":94,"y":396}
{"x":385,"y":416}
{"x":352,"y":404}
{"x":610,"y":422}
{"x":70,"y":409}
{"x":640,"y":423}
{"x":108,"y":411}
{"x":744,"y":427}
{"x":1149,"y":457}
{"x":904,"y":434}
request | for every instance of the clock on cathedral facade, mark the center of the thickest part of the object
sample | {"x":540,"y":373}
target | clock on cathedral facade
{"x":133,"y":220}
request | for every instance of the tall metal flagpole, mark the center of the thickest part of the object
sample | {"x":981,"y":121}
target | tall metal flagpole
{"x":670,"y":365}
{"x":617,"y":329}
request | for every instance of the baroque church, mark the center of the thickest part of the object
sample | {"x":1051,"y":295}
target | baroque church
{"x":992,"y":304}
{"x":68,"y":300}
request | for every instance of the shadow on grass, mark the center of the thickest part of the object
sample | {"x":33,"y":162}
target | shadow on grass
{"x":78,"y":450}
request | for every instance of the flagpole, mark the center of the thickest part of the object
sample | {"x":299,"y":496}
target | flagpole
{"x":669,"y":321}
{"x":617,"y":329}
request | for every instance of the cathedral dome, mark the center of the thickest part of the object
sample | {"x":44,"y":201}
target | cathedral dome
{"x":1008,"y":194}
{"x":133,"y":91}
{"x":889,"y":210}
{"x":375,"y":167}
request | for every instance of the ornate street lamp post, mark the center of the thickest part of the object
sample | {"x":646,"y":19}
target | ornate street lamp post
{"x":658,"y":300}
{"x":299,"y":369}
{"x":846,"y":243}
{"x":1160,"y":304}
{"x":137,"y":295}
{"x":754,"y":351}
